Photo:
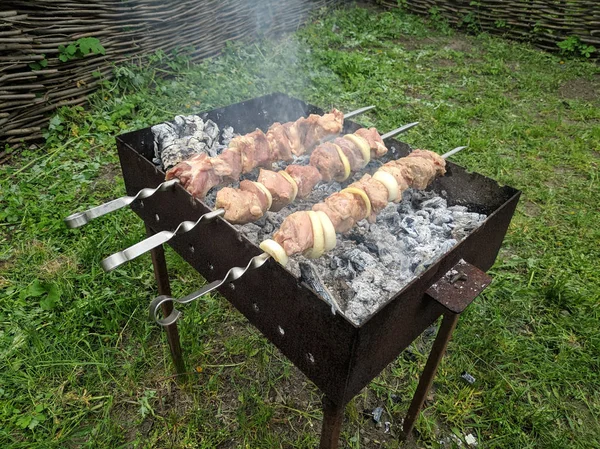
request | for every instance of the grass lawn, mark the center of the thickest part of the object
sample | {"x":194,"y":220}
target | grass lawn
{"x":82,"y":366}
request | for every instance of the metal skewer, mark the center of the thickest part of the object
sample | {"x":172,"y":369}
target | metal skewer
{"x":79,"y":219}
{"x":118,"y":259}
{"x":397,"y":131}
{"x":358,"y":111}
{"x":232,"y":275}
{"x":127,"y":255}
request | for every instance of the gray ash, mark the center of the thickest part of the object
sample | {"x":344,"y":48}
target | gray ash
{"x":374,"y":261}
{"x":185,"y":137}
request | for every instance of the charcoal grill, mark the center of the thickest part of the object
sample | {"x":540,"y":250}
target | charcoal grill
{"x":340,"y":357}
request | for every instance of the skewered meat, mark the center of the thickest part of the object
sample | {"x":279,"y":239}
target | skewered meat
{"x":245,"y":204}
{"x":326,"y":157}
{"x":364,"y":198}
{"x":328,"y":161}
{"x":280,"y":187}
{"x":306,"y":178}
{"x":256,"y":149}
{"x":376,"y":144}
{"x":295,"y":234}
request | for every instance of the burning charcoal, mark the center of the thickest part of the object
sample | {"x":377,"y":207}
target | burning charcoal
{"x":309,"y":275}
{"x":434,"y":203}
{"x":377,"y":413}
{"x":361,"y":259}
{"x":468,"y":378}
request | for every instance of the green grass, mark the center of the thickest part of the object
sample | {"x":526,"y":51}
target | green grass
{"x":81,"y":365}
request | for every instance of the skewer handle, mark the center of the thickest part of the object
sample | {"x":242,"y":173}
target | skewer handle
{"x":127,"y":255}
{"x":79,"y":219}
{"x":232,"y":275}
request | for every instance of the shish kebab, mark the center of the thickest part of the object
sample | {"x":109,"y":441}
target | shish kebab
{"x":313,"y":232}
{"x":330,"y":123}
{"x":273,"y":190}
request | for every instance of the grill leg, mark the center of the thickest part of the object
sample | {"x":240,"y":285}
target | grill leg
{"x":333,"y":415}
{"x":435,"y":356}
{"x":164,"y":288}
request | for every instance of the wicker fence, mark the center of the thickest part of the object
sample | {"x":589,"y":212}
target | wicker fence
{"x":34,"y":81}
{"x":545,"y":23}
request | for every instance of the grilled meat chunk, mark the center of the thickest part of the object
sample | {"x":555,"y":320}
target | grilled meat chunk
{"x":376,"y":192}
{"x":241,"y":206}
{"x":371,"y":135}
{"x":295,"y":233}
{"x":306,"y":177}
{"x":196,"y":175}
{"x":327,"y":160}
{"x":281,"y":189}
{"x":344,"y":209}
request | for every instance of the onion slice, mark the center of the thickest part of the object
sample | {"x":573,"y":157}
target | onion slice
{"x":346,"y":164}
{"x":264,"y":190}
{"x":362,"y":145}
{"x":292,"y":182}
{"x":318,"y":237}
{"x":363,"y":195}
{"x":328,"y":230}
{"x":275,"y":250}
{"x":389,"y":182}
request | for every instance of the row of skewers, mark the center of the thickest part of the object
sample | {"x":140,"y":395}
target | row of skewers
{"x":310,"y":233}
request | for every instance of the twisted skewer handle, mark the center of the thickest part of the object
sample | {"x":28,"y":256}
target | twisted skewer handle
{"x":232,"y":275}
{"x":79,"y":219}
{"x":118,"y":259}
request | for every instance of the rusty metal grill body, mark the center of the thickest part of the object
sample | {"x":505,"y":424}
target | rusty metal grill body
{"x":339,"y":357}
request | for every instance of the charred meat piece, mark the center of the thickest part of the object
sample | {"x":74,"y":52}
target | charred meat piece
{"x":295,"y":233}
{"x":371,"y":135}
{"x":282,"y":191}
{"x":306,"y":177}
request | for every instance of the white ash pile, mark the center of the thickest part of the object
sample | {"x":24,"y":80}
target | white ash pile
{"x":373,"y":262}
{"x":185,"y":137}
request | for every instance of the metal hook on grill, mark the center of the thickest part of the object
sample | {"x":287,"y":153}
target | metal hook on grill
{"x":232,"y":275}
{"x":127,"y":255}
{"x":79,"y":219}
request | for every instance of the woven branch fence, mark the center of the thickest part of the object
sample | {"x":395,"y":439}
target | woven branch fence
{"x":32,"y":31}
{"x":544,"y":23}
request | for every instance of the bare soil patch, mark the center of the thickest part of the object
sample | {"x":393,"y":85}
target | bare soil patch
{"x":579,"y":89}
